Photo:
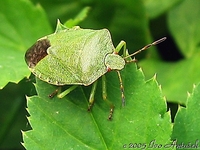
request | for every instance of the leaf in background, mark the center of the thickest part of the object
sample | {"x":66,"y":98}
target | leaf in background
{"x":65,"y":123}
{"x":156,"y":8}
{"x":187,"y":121}
{"x":80,"y":17}
{"x":13,"y":114}
{"x":186,"y":30}
{"x":64,"y":9}
{"x":178,"y":77}
{"x":21,"y":25}
{"x":129,"y":23}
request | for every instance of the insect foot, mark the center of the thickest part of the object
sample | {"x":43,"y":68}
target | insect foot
{"x":111,"y":113}
{"x":53,"y":94}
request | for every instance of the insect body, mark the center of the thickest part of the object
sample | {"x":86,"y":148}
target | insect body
{"x":80,"y":59}
{"x":77,"y":56}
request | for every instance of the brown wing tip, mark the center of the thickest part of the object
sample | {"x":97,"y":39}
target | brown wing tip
{"x":37,"y":52}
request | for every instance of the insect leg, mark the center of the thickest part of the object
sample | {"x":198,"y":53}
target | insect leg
{"x":129,"y":60}
{"x":67,"y":91}
{"x":121,"y":88}
{"x":119,"y":47}
{"x":91,"y":99}
{"x":55,"y":92}
{"x":104,"y":95}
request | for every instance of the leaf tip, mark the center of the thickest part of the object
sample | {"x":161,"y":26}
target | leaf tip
{"x":140,"y":69}
{"x":194,"y":86}
{"x":188,"y":94}
{"x":22,"y":143}
{"x":154,"y":77}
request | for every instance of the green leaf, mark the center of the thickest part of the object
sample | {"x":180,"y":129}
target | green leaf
{"x":176,"y":78}
{"x":80,"y":17}
{"x":186,"y":30}
{"x":62,"y":9}
{"x":156,"y":8}
{"x":187,"y":121}
{"x":59,"y":123}
{"x":13,"y":113}
{"x":129,"y":23}
{"x":21,"y":24}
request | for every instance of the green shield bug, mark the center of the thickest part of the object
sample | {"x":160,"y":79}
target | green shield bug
{"x":76,"y":56}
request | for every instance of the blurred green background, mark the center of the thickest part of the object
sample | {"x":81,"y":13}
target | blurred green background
{"x":138,"y":22}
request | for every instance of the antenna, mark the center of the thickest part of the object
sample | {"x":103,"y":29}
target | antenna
{"x":147,"y":46}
